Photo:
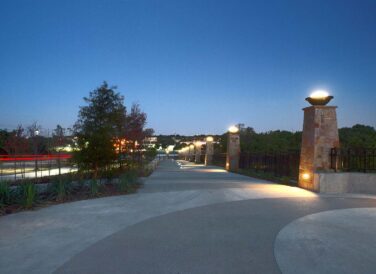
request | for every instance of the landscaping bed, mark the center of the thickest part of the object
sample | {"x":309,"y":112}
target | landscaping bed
{"x":28,"y":194}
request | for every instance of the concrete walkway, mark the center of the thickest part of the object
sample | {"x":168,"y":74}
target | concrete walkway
{"x":193,"y":219}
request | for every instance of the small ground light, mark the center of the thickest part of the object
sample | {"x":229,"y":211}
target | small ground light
{"x":233,"y":129}
{"x":306,"y":176}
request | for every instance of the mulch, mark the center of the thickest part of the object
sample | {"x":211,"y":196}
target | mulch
{"x":78,"y":194}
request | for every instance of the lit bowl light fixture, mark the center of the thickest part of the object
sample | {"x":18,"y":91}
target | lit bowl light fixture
{"x":233,"y":129}
{"x":319,"y":98}
{"x":198,"y":143}
{"x":209,"y":139}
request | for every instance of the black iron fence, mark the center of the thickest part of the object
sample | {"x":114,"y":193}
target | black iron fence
{"x":18,"y":167}
{"x":219,"y":159}
{"x":360,"y":160}
{"x":202,"y":158}
{"x":278,"y":164}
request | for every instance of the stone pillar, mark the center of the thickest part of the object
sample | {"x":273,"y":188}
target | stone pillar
{"x":185,"y":153}
{"x":320,"y":135}
{"x":209,"y":151}
{"x":233,"y":151}
{"x":197,"y":152}
{"x":191,"y":152}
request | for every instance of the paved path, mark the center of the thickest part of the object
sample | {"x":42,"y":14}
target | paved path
{"x":193,"y":219}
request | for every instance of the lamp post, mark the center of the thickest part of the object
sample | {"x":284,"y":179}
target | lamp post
{"x":320,"y":135}
{"x":233,"y":149}
{"x":36,"y":133}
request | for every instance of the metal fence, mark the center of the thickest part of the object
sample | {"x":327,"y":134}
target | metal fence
{"x":279,"y":164}
{"x":219,"y":159}
{"x":15,"y":167}
{"x":360,"y":160}
{"x":202,"y":158}
{"x":18,"y":167}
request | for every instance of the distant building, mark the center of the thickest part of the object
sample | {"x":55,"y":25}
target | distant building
{"x":150,"y":141}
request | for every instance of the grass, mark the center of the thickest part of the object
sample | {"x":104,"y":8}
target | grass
{"x":5,"y":193}
{"x":127,"y":181}
{"x":61,"y":188}
{"x":28,"y":194}
{"x":268,"y":176}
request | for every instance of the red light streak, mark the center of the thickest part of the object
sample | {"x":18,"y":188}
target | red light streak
{"x":37,"y":157}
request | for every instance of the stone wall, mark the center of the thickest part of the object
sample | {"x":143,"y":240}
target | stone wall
{"x":345,"y":182}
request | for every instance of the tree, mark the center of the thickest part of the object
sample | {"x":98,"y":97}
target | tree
{"x":58,"y":138}
{"x":16,"y":141}
{"x":357,"y":137}
{"x":100,"y":124}
{"x":148,"y":132}
{"x":135,"y":123}
{"x":4,"y":135}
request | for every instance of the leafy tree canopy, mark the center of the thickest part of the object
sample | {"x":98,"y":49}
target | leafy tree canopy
{"x":99,"y":123}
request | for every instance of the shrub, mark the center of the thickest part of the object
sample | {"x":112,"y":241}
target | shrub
{"x":61,"y":188}
{"x":109,"y":174}
{"x":127,"y":181}
{"x":5,"y":193}
{"x":28,"y":194}
{"x":94,"y":187}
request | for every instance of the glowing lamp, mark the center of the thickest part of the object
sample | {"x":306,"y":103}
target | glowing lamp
{"x":306,"y":176}
{"x":209,"y":139}
{"x":233,"y":129}
{"x":192,"y":146}
{"x":319,"y":98}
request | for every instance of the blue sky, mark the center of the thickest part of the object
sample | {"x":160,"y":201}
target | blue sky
{"x":194,"y":66}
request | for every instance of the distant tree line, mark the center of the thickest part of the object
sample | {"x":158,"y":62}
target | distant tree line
{"x":29,"y":140}
{"x":356,"y":137}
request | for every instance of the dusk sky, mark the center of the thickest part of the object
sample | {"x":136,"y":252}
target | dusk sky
{"x":194,"y":66}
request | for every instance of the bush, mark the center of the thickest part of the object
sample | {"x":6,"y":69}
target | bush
{"x":61,"y":188}
{"x":28,"y":194}
{"x":127,"y":181}
{"x":109,"y":174}
{"x":5,"y":193}
{"x":94,"y":187}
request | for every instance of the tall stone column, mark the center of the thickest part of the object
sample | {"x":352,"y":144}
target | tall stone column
{"x":197,"y":152}
{"x":209,"y":151}
{"x":320,"y":135}
{"x":233,"y":149}
{"x":191,"y":152}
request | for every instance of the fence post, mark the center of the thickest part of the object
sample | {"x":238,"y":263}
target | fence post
{"x":365,"y":160}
